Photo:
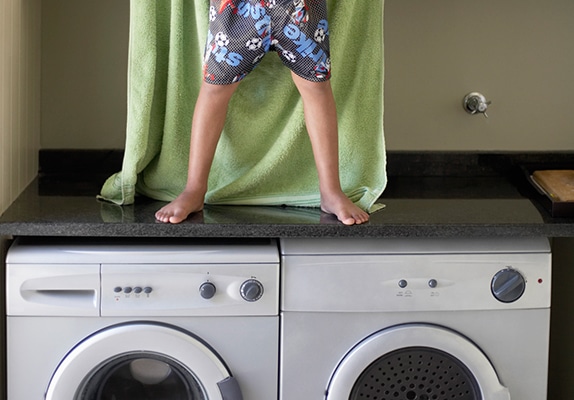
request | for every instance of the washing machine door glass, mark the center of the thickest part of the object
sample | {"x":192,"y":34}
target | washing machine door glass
{"x":142,"y":360}
{"x":137,"y":377}
{"x":416,"y":362}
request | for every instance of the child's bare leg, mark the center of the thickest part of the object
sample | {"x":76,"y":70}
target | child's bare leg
{"x":208,"y":121}
{"x":321,"y":120}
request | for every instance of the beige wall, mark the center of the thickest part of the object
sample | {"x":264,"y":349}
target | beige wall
{"x":516,"y":52}
{"x":84,"y":67}
{"x":19,"y":96}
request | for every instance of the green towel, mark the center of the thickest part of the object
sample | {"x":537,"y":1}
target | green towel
{"x":264,"y":155}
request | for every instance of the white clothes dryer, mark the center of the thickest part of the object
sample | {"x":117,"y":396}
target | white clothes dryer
{"x":415,"y":319}
{"x":126,"y":320}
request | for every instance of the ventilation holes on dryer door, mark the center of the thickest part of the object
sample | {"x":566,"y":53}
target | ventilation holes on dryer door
{"x":416,"y":373}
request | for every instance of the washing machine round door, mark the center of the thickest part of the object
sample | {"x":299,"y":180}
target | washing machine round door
{"x":142,"y":360}
{"x":416,"y":362}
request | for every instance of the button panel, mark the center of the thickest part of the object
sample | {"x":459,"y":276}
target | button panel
{"x":188,"y":290}
{"x":136,"y":290}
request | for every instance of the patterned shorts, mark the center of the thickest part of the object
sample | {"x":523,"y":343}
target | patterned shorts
{"x":241,"y":32}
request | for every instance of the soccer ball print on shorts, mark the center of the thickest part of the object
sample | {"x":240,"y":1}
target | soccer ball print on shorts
{"x":241,"y":32}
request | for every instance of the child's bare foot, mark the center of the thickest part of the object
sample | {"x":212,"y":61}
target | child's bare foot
{"x":344,"y":209}
{"x":180,"y":208}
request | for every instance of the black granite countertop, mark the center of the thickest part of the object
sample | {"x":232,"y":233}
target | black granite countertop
{"x":428,"y":195}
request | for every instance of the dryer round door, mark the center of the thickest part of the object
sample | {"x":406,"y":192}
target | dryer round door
{"x":142,"y":360}
{"x":415,"y":362}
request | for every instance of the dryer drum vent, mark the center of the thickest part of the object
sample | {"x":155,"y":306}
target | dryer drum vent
{"x":416,"y":373}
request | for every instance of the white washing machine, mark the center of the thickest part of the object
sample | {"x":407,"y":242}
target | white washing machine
{"x":410,"y":319}
{"x":119,"y":320}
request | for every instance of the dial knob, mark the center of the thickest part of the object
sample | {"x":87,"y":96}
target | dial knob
{"x":207,"y":290}
{"x":508,"y":285}
{"x":251,"y":290}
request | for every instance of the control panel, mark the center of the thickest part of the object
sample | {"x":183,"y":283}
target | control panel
{"x":507,"y":285}
{"x":136,"y":279}
{"x":416,"y":282}
{"x":210,"y":289}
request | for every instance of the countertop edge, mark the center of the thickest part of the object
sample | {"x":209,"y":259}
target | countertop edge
{"x":284,"y":231}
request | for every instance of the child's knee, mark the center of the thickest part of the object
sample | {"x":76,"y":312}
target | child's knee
{"x":311,"y":86}
{"x":217,"y":90}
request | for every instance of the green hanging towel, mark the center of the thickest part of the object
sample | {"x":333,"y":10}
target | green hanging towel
{"x":264,"y":156}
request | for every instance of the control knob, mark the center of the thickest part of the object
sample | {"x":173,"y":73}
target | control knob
{"x":207,"y":290}
{"x":508,"y":285}
{"x":251,"y":290}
